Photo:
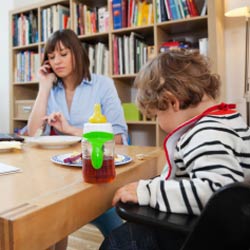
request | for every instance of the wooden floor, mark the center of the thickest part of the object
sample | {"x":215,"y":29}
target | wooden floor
{"x":86,"y":238}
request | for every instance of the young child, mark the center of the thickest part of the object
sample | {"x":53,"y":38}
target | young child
{"x":207,"y":146}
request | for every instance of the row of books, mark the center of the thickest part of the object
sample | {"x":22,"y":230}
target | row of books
{"x":24,"y":29}
{"x":27,"y":64}
{"x":179,"y":9}
{"x":129,"y":53}
{"x":131,"y":13}
{"x":89,"y":20}
{"x":55,"y":17}
{"x":99,"y":57}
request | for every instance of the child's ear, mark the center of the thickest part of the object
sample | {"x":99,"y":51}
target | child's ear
{"x":173,"y":101}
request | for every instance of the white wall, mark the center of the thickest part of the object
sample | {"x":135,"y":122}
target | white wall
{"x":4,"y":62}
{"x":234,"y":53}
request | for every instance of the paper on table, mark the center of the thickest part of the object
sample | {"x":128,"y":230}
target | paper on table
{"x":7,"y":169}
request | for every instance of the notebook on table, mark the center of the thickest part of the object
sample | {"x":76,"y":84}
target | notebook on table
{"x":7,"y":169}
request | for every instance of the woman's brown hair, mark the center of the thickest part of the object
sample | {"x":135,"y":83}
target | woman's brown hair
{"x":70,"y":40}
{"x":184,"y":73}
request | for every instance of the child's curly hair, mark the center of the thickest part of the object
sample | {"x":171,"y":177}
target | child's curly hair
{"x":184,"y":73}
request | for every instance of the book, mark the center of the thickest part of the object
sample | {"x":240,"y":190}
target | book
{"x":139,"y":16}
{"x":33,"y":27}
{"x":192,"y":8}
{"x":133,"y":42}
{"x":181,"y":9}
{"x":137,"y":55}
{"x":93,"y":27}
{"x":115,"y":55}
{"x":158,"y":11}
{"x":126,"y":54}
{"x":62,"y":11}
{"x":150,"y":14}
{"x":131,"y":5}
{"x":15,"y":30}
{"x":91,"y":54}
{"x":164,"y":16}
{"x":55,"y":22}
{"x":120,"y":56}
{"x":169,"y":14}
{"x":135,"y":14}
{"x":185,"y":8}
{"x":204,"y":9}
{"x":173,"y":9}
{"x":81,"y":30}
{"x":124,"y":13}
{"x":88,"y":22}
{"x":117,"y":14}
{"x":106,"y":62}
{"x":144,"y":13}
{"x":131,"y":52}
{"x":101,"y":19}
{"x":178,"y":12}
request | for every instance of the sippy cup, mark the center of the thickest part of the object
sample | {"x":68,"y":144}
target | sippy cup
{"x":98,"y":149}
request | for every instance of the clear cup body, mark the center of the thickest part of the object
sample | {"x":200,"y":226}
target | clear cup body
{"x":107,"y":171}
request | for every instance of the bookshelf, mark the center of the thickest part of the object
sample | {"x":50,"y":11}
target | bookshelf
{"x":154,"y":33}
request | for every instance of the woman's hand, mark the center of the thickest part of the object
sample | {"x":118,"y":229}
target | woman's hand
{"x":46,"y":76}
{"x":126,"y":193}
{"x":58,"y":121}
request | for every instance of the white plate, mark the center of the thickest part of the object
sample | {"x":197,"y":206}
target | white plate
{"x":122,"y":159}
{"x":57,"y":141}
{"x":58,"y":159}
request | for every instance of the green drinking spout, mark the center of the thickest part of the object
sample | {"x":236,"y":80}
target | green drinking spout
{"x":97,"y":139}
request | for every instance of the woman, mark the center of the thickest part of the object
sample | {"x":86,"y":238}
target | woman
{"x":67,"y":91}
{"x":66,"y":98}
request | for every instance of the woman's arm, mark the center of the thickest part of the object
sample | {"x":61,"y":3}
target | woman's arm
{"x":118,"y":139}
{"x":59,"y":122}
{"x":38,"y":112}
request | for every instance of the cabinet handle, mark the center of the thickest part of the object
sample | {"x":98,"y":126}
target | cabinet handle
{"x":27,"y":109}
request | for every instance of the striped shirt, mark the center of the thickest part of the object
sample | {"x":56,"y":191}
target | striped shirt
{"x":203,"y":154}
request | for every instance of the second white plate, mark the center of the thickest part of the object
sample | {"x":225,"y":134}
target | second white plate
{"x":57,"y":141}
{"x":58,"y":159}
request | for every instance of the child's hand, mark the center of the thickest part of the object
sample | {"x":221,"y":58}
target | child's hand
{"x":126,"y":193}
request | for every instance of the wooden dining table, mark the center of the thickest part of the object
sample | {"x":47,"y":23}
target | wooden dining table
{"x":46,"y":201}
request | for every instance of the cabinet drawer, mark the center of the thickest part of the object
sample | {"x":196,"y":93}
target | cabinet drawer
{"x":23,"y":108}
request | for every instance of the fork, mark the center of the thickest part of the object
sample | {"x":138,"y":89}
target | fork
{"x":41,"y":129}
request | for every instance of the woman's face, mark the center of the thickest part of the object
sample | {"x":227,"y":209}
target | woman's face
{"x":61,"y":61}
